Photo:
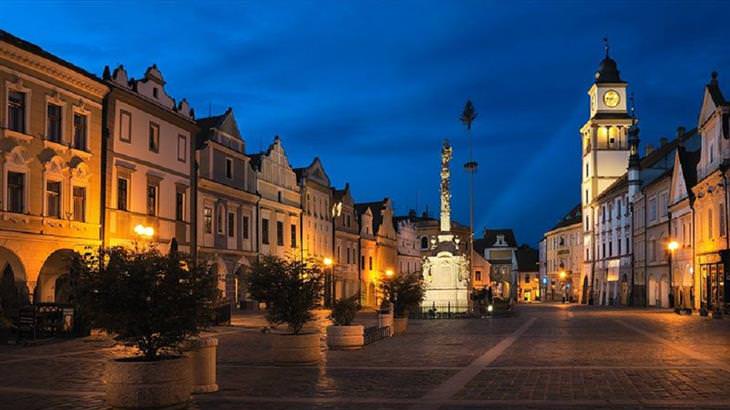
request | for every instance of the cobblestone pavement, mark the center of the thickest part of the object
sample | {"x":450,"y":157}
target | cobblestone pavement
{"x":545,"y":357}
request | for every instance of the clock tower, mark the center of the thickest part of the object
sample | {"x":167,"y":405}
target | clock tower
{"x":605,"y":143}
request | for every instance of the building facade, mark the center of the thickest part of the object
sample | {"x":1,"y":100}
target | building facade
{"x":347,"y":244}
{"x":562,"y":259}
{"x":51,"y":136}
{"x":528,"y":274}
{"x":605,"y":155}
{"x":226,"y":203}
{"x":499,"y":247}
{"x":149,"y":162}
{"x":409,"y":256}
{"x":279,"y":210}
{"x":711,"y":204}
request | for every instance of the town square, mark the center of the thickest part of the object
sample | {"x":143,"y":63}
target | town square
{"x":351,"y":205}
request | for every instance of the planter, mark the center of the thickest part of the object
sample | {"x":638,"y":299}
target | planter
{"x":136,"y":384}
{"x":400,"y":324}
{"x":202,"y":353}
{"x":349,"y":337}
{"x":296,"y":350}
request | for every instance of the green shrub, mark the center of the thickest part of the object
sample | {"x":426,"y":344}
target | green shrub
{"x":406,"y":291}
{"x":344,"y":310}
{"x":147,"y":299}
{"x":289,"y":288}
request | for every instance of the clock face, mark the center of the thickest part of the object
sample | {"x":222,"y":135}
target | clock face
{"x":611,"y":98}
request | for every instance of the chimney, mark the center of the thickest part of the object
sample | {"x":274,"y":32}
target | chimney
{"x":649,"y":149}
{"x":663,"y":141}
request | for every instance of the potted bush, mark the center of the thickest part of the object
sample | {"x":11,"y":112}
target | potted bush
{"x":290,"y":289}
{"x":406,"y":292}
{"x":343,"y":335}
{"x":150,"y":301}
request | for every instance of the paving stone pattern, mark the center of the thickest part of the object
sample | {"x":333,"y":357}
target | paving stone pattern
{"x":569,"y":357}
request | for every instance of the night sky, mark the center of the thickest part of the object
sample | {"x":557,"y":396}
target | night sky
{"x":373,"y":88}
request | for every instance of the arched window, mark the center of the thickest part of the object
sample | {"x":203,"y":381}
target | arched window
{"x":424,"y":242}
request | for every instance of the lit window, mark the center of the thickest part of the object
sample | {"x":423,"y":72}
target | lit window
{"x":53,"y":199}
{"x":79,"y":213}
{"x":122,"y":189}
{"x":208,"y":220}
{"x":152,"y":200}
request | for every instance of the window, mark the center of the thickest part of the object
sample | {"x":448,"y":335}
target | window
{"x":80,"y":131}
{"x":16,"y":192}
{"x":618,"y":244}
{"x":721,"y":218}
{"x":245,"y":227}
{"x":79,"y":212}
{"x":154,"y":138}
{"x":208,"y":219}
{"x":53,"y":122}
{"x":229,"y":168}
{"x":527,"y":278}
{"x":151,"y":199}
{"x":652,"y":209}
{"x":371,"y":262}
{"x":231,"y":224}
{"x":586,"y":169}
{"x":279,"y":233}
{"x":610,"y":248}
{"x":182,"y":148}
{"x":53,"y":199}
{"x":122,"y":189}
{"x":155,"y":93}
{"x":627,"y":246}
{"x":16,"y":111}
{"x":478,"y":275}
{"x":709,"y":224}
{"x":618,"y":209}
{"x":362,"y":262}
{"x":424,"y":243}
{"x":664,"y":204}
{"x":125,"y":126}
{"x":603,"y":250}
{"x":219,"y":220}
{"x":180,"y":206}
{"x":265,"y":231}
{"x":293,"y":235}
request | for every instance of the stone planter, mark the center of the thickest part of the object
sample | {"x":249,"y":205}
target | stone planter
{"x":400,"y":324}
{"x":202,"y":353}
{"x":296,"y":350}
{"x":349,"y":337}
{"x":136,"y":384}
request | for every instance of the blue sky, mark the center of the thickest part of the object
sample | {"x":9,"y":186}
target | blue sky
{"x":373,"y":87}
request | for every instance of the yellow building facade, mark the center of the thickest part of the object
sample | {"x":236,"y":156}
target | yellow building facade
{"x":50,"y":162}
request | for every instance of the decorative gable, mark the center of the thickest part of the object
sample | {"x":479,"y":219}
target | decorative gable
{"x":678,"y":188}
{"x":708,"y":108}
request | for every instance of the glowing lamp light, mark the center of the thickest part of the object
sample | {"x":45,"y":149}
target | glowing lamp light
{"x":389,"y":273}
{"x":562,"y":274}
{"x":327,"y":261}
{"x":146,"y":231}
{"x":544,"y":281}
{"x":490,"y":308}
{"x":673,"y":245}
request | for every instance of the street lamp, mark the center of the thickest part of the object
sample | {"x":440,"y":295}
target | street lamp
{"x":389,"y":273}
{"x":671,"y":247}
{"x":330,"y":287}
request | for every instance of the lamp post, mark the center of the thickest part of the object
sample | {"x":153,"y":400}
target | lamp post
{"x":562,"y":274}
{"x":330,"y":283}
{"x":671,"y":247}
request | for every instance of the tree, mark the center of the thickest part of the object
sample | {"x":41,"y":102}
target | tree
{"x":289,"y":288}
{"x":405,"y":291}
{"x":147,"y":299}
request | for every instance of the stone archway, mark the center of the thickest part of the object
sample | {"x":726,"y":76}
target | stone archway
{"x":13,"y":286}
{"x":53,"y":285}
